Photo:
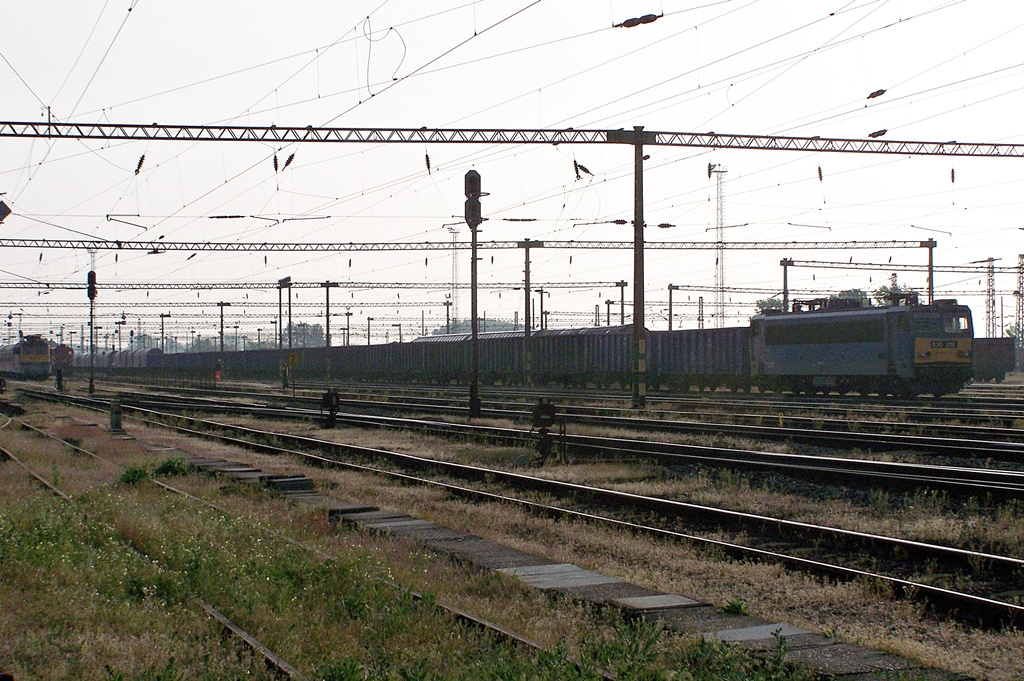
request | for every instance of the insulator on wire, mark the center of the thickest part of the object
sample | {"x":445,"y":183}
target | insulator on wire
{"x":138,"y":166}
{"x":821,"y":178}
{"x":428,"y":163}
{"x":952,"y":175}
{"x":275,"y":163}
{"x":289,"y":161}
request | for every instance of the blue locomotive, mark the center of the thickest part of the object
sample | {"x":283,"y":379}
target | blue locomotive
{"x":837,"y":345}
{"x":824,"y":345}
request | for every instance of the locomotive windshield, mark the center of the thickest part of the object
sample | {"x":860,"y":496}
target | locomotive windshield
{"x":948,"y":323}
{"x":958,"y":322}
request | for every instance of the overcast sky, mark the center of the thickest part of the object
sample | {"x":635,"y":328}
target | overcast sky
{"x":951,"y":70}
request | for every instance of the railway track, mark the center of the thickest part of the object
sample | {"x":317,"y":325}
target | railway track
{"x":274,"y":661}
{"x":964,"y":442}
{"x":983,"y":404}
{"x":280,"y":667}
{"x":836,"y":552}
{"x":959,"y":481}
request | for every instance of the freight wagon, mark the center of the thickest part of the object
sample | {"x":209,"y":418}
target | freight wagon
{"x":993,"y":358}
{"x":831,"y":345}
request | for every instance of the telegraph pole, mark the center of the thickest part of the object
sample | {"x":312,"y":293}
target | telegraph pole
{"x":327,"y":317}
{"x":164,"y":316}
{"x":671,"y":288}
{"x":526,"y":245}
{"x":786,"y":264}
{"x":222,"y":305}
{"x":637,"y":137}
{"x":622,"y":302}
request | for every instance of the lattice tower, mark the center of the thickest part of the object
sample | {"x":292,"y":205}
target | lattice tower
{"x":719,"y":172}
{"x":990,"y":300}
{"x":454,"y":294}
{"x":1019,"y":295}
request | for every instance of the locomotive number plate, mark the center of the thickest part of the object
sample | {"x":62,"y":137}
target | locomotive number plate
{"x":944,"y":344}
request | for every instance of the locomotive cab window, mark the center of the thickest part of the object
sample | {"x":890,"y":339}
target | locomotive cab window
{"x":948,"y":323}
{"x":956,"y":323}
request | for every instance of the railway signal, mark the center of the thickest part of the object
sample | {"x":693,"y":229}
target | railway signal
{"x":473,"y":218}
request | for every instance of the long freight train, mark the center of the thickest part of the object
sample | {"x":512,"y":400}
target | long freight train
{"x":832,"y":345}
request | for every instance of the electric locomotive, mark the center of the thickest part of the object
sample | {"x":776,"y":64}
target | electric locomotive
{"x":28,"y":358}
{"x":835,"y":344}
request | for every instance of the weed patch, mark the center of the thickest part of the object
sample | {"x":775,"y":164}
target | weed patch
{"x":133,"y":475}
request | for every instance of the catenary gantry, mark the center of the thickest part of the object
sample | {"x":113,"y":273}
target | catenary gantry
{"x":351,"y":247}
{"x":637,"y":138}
{"x":309,"y":133}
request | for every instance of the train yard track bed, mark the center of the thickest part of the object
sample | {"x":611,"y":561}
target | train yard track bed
{"x":861,"y":610}
{"x":99,"y":588}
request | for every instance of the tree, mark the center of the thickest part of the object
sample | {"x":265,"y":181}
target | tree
{"x":769,"y":304}
{"x":884,"y":295}
{"x":856,"y":294}
{"x":307,"y":335}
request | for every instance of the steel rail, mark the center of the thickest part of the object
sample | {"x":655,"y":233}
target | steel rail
{"x":918,"y":413}
{"x":949,"y":407}
{"x":959,"y":480}
{"x":457,"y":612}
{"x":988,"y":610}
{"x":807,"y":432}
{"x":639,"y":500}
{"x":991,"y":611}
{"x":272,"y":659}
{"x":852,"y":466}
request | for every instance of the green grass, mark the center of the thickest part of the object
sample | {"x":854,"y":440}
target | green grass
{"x":78,"y":604}
{"x":133,"y":475}
{"x":173,"y":466}
{"x":82,"y":604}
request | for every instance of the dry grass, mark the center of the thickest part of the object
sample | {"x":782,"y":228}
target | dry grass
{"x":927,"y":517}
{"x":225,"y":556}
{"x":851,"y":612}
{"x":67,"y":613}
